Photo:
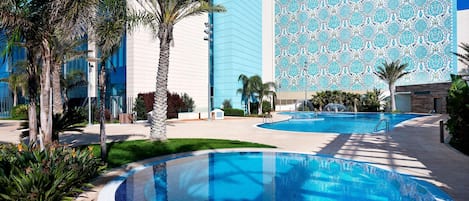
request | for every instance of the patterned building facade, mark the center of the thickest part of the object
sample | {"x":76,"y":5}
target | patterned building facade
{"x":338,"y":44}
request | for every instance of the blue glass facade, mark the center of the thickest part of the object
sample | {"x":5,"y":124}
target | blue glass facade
{"x":237,"y":48}
{"x":343,"y":42}
{"x":116,"y":80}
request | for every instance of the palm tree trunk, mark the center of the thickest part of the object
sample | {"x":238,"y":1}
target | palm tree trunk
{"x":102,"y":109}
{"x":160,"y":105}
{"x":259,"y":110}
{"x":393,"y":99}
{"x":45,"y":95}
{"x":57,"y":95}
{"x":15,"y":98}
{"x":32,"y":98}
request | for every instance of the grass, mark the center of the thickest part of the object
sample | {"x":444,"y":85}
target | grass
{"x":121,"y":153}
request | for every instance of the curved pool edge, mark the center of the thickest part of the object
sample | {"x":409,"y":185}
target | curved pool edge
{"x":107,"y":193}
{"x":119,"y":174}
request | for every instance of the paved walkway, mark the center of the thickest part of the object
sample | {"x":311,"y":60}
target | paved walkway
{"x":411,"y":148}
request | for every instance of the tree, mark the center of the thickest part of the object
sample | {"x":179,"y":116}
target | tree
{"x":390,"y":73}
{"x":16,"y":23}
{"x":108,"y":30}
{"x":16,"y":81}
{"x":261,"y":89}
{"x":63,"y":50}
{"x":245,"y":91}
{"x":320,"y":99}
{"x":72,"y":80}
{"x":36,"y":22}
{"x":161,"y":16}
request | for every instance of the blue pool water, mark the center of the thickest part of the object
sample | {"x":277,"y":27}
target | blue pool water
{"x":345,"y":123}
{"x":270,"y":176}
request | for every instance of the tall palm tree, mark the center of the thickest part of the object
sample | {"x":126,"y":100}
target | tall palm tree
{"x":108,"y":32}
{"x":36,"y":22}
{"x":16,"y":22}
{"x":161,"y":16}
{"x":390,"y":73}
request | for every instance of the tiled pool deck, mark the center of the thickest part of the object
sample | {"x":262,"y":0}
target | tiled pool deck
{"x":412,"y":148}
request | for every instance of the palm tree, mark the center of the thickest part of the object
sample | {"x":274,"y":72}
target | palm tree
{"x":63,"y":50}
{"x":245,"y":91}
{"x":261,"y":89}
{"x":161,"y":16}
{"x":319,"y":99}
{"x":109,"y":30}
{"x":15,"y":81}
{"x":15,"y":21}
{"x":72,"y":80}
{"x":36,"y":22}
{"x":390,"y":73}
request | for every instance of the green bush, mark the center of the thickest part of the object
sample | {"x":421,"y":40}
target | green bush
{"x":71,"y":120}
{"x":20,"y":112}
{"x":57,"y":173}
{"x":266,"y":107}
{"x":227,"y":104}
{"x":458,"y":111}
{"x":139,"y":108}
{"x":233,"y":112}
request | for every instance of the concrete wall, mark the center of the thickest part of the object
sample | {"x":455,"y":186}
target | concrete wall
{"x":268,"y":41}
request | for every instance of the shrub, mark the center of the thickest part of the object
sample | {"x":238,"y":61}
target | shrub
{"x":458,"y":111}
{"x":188,"y":103}
{"x":175,"y":103}
{"x":56,"y":173}
{"x":233,"y":112}
{"x":139,"y":108}
{"x":227,"y":104}
{"x":20,"y":112}
{"x":266,"y":107}
{"x":71,"y":120}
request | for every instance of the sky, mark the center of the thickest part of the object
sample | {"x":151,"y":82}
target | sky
{"x":463,"y":4}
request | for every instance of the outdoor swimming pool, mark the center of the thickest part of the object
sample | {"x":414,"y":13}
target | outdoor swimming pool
{"x":267,"y":176}
{"x":344,"y":123}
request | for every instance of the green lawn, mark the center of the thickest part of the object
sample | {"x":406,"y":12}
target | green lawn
{"x":121,"y":153}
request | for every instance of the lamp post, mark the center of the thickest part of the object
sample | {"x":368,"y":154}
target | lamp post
{"x":91,"y":80}
{"x":209,"y":39}
{"x":305,"y":70}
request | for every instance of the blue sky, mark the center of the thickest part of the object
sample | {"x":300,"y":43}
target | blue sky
{"x":463,"y":4}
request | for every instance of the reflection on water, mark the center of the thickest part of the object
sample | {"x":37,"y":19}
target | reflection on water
{"x":268,"y":176}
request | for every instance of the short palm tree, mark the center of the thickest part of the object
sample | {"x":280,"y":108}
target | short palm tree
{"x":63,"y":49}
{"x":319,"y":99}
{"x":261,"y":89}
{"x":161,"y":16}
{"x":390,"y":73}
{"x":245,"y":91}
{"x":15,"y":82}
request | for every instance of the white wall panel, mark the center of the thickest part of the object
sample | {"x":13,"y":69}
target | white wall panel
{"x":188,"y":66}
{"x":462,"y":32}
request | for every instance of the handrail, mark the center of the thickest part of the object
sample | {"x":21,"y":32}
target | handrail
{"x":379,"y":123}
